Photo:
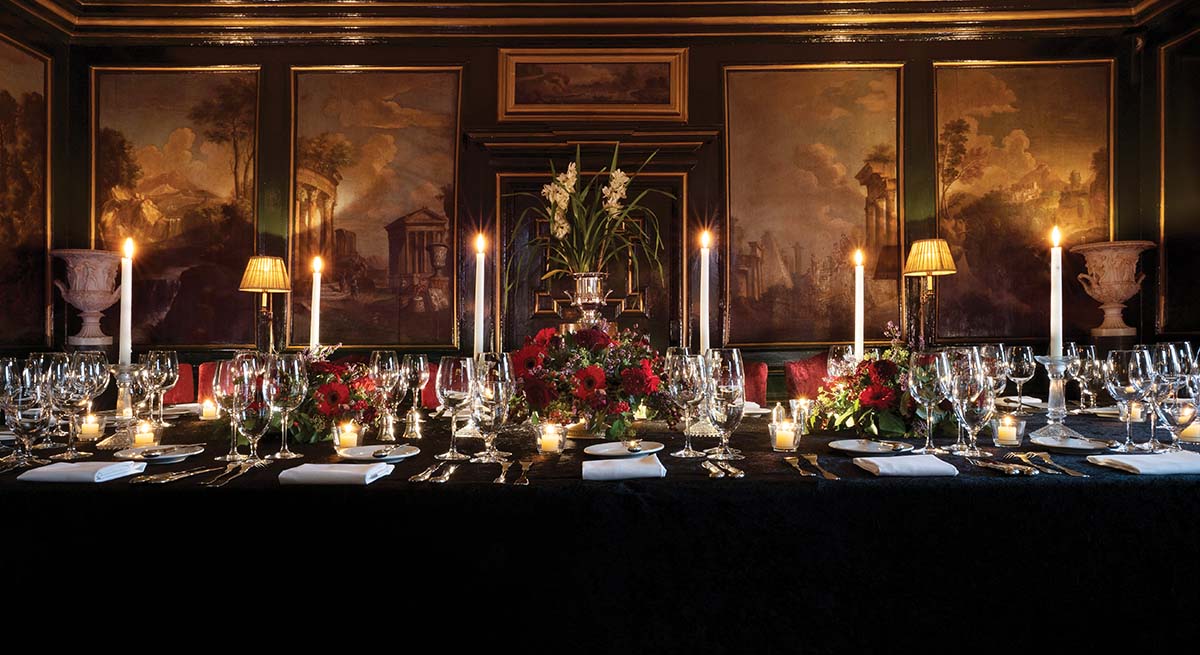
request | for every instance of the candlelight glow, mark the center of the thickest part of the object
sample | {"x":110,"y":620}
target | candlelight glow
{"x":318,"y":265}
{"x":705,"y":239}
{"x":480,"y":243}
{"x":129,"y":248}
{"x":858,"y":258}
{"x":1055,"y":236}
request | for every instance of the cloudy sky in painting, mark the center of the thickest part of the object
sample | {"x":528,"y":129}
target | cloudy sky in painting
{"x":151,"y":110}
{"x":1062,"y":129}
{"x":402,"y":129}
{"x":20,"y":72}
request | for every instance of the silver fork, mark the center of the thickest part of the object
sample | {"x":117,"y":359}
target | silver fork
{"x":172,"y":476}
{"x":732,"y":470}
{"x":229,"y":469}
{"x":426,"y":474}
{"x":445,"y":476}
{"x":713,"y":470}
{"x":1024,"y":457}
{"x":246,"y":467}
{"x":526,"y":464}
{"x":1045,"y":457}
{"x":795,"y":462}
{"x":503,"y":472}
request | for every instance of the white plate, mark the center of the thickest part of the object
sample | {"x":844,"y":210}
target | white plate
{"x":1071,"y":446}
{"x":181,"y":409}
{"x":135,"y":454}
{"x":755,"y":412}
{"x":617,"y":450}
{"x":363,"y":453}
{"x":870,"y":447}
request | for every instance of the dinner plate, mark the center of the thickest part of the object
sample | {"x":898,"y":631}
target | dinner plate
{"x":364,"y":453}
{"x":135,"y":454}
{"x":870,"y":446}
{"x":617,"y":450}
{"x":1072,"y":445}
{"x":181,"y":409}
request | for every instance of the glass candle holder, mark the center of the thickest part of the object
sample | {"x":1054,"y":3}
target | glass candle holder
{"x":1191,"y":433}
{"x":346,"y":435}
{"x":91,"y":427}
{"x":785,"y":437}
{"x":145,"y":434}
{"x":1008,"y":431}
{"x":551,"y":438}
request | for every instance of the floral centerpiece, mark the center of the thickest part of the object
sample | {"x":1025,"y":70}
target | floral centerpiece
{"x":874,"y":397}
{"x":591,"y":377}
{"x":337,"y":393}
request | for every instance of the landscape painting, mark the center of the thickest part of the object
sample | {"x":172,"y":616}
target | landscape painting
{"x":174,"y":167}
{"x":1021,"y":148}
{"x":645,"y":84}
{"x":813,"y":177}
{"x":376,"y":154}
{"x":24,"y":221}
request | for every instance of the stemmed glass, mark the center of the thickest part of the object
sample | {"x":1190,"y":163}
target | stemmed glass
{"x":1021,"y":369}
{"x":727,"y":386}
{"x":387,"y":371}
{"x":995,"y":365}
{"x":24,"y":397}
{"x":223,"y":388}
{"x":493,"y":388}
{"x":950,"y":361}
{"x":455,"y":380}
{"x":975,"y":412}
{"x":1081,"y":360}
{"x":841,"y":360}
{"x":251,"y":404}
{"x":925,"y":388}
{"x":1177,"y":414}
{"x":70,"y":393}
{"x":43,"y":363}
{"x":685,"y":386}
{"x":287,"y":376}
{"x":1124,"y":372}
{"x":163,"y":366}
{"x":1166,"y":370}
{"x":417,"y":367}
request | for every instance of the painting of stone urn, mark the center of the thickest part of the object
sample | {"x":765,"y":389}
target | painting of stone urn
{"x":1112,"y":279}
{"x":91,"y":276}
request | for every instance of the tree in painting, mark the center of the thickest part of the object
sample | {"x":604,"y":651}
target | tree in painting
{"x":22,"y":197}
{"x":1020,"y":150}
{"x":175,"y":159}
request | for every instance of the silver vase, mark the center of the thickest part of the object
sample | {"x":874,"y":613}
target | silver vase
{"x":589,"y":297}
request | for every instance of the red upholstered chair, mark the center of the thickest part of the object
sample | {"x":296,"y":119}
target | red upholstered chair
{"x":805,"y":377}
{"x":429,"y":399}
{"x":204,"y":381}
{"x":184,"y":390}
{"x":756,"y":382}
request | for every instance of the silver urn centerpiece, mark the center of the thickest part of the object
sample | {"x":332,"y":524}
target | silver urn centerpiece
{"x":1112,"y":279}
{"x":91,"y":278}
{"x":589,"y":297}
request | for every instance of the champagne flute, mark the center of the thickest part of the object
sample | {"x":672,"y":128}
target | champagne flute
{"x":455,"y":380}
{"x":925,"y":388}
{"x":1123,"y":373}
{"x":728,"y":400}
{"x":492,"y":391}
{"x":288,"y":377}
{"x":418,"y":376}
{"x":223,"y":388}
{"x":686,"y":386}
{"x":386,"y":370}
{"x":1021,"y":369}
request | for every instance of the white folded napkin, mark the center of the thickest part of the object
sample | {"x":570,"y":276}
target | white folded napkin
{"x":360,"y":474}
{"x":1162,"y":464}
{"x":906,"y":466}
{"x":752,"y":406}
{"x":82,"y":471}
{"x":624,"y":469}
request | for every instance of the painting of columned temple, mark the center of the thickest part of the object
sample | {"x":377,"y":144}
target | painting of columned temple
{"x":812,"y":178}
{"x":374,"y":196}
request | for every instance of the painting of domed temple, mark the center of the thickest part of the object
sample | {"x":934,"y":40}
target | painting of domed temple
{"x":1021,"y":148}
{"x":813,"y":177}
{"x":174,"y":168}
{"x":24,"y":222}
{"x":374,"y":197}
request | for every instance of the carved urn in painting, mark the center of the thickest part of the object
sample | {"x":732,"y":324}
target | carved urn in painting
{"x":91,"y":277}
{"x":1112,"y":278}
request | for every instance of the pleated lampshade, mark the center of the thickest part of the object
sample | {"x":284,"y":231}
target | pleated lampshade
{"x":266,"y":275}
{"x":929,"y":257}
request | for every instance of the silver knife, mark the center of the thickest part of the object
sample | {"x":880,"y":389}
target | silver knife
{"x":733,"y":471}
{"x":159,"y":478}
{"x":426,"y":474}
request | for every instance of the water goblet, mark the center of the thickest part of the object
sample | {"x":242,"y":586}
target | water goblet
{"x":251,"y":405}
{"x":995,"y":365}
{"x":24,"y":398}
{"x":71,"y":393}
{"x":287,"y":375}
{"x":1177,"y":414}
{"x":1124,"y":371}
{"x":727,"y":401}
{"x":418,"y":376}
{"x":223,"y":388}
{"x":974,"y":412}
{"x":1021,"y":369}
{"x":951,"y":363}
{"x":455,"y":380}
{"x":386,"y":370}
{"x":492,"y":391}
{"x":685,"y":387}
{"x":42,"y":363}
{"x":925,"y":388}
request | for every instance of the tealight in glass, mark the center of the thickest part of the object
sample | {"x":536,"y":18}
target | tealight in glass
{"x":346,"y":435}
{"x":1008,"y":431}
{"x":785,"y":436}
{"x":551,"y":438}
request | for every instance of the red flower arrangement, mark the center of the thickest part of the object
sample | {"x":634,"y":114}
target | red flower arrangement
{"x":337,"y":392}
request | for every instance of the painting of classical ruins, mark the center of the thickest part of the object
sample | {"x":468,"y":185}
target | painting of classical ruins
{"x":376,"y":155}
{"x":1021,"y":148}
{"x":813,"y":176}
{"x":174,"y":163}
{"x":23,"y":211}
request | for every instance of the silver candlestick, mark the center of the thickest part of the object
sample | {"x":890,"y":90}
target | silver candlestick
{"x":1056,"y":412}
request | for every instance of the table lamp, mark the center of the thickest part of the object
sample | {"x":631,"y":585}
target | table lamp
{"x":266,"y":275}
{"x":928,"y":257}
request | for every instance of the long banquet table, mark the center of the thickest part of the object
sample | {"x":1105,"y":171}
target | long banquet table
{"x":726,"y":565}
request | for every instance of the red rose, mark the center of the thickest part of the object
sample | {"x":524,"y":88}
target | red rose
{"x":588,"y":381}
{"x":333,"y":393}
{"x":883,"y":371}
{"x":877,"y":396}
{"x":527,"y":359}
{"x":539,"y":394}
{"x":544,"y":335}
{"x":592,"y":339}
{"x":639,"y":380}
{"x":619,"y":408}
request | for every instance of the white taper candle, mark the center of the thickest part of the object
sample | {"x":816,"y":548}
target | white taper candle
{"x":1056,"y":299}
{"x":314,"y":325}
{"x":859,"y":310}
{"x":705,"y":240}
{"x":480,"y":263}
{"x":125,"y":344}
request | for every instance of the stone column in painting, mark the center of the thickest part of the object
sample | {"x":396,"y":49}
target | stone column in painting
{"x":414,"y":241}
{"x":881,"y":226}
{"x":312,"y":229}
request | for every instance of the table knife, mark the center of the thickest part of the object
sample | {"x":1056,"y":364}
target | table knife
{"x":732,"y":470}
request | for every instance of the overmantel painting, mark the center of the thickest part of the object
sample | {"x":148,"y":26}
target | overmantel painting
{"x":24,"y":218}
{"x":1022,"y":147}
{"x":376,"y":153}
{"x":813,"y":176}
{"x":174,"y":167}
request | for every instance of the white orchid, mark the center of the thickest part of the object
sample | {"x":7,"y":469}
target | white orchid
{"x":614,"y":193}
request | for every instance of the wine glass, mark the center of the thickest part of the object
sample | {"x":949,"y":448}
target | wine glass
{"x":995,"y":365}
{"x":686,"y":385}
{"x":42,"y":363}
{"x":251,"y":404}
{"x":974,"y":410}
{"x":1177,"y":414}
{"x":1124,"y":371}
{"x":24,"y":409}
{"x":455,"y":380}
{"x":288,"y":376}
{"x":949,"y":362}
{"x":492,"y":391}
{"x":223,"y":388}
{"x":728,"y":397}
{"x":386,"y":370}
{"x":70,"y":393}
{"x":925,"y":388}
{"x":1081,"y":359}
{"x":164,"y":366}
{"x":841,"y":361}
{"x":418,"y":376}
{"x":1021,"y":369}
{"x":1164,"y":371}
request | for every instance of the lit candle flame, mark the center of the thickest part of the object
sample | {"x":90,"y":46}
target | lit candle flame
{"x":480,"y":243}
{"x":129,"y":248}
{"x":858,"y":258}
{"x":318,"y":265}
{"x":1055,"y":236}
{"x":705,"y":239}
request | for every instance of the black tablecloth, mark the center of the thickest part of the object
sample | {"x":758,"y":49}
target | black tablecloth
{"x":773,"y":560}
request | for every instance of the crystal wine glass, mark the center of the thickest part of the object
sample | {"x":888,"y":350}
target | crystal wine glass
{"x":223,"y":389}
{"x":288,"y":376}
{"x":728,"y":400}
{"x":386,"y":370}
{"x":1177,"y":414}
{"x":251,"y":404}
{"x":841,"y":360}
{"x":70,"y":392}
{"x":418,"y":376}
{"x":24,"y":409}
{"x":686,"y":384}
{"x":1081,"y":359}
{"x":974,"y":410}
{"x":43,"y":363}
{"x":1021,"y":369}
{"x":994,"y":358}
{"x":1124,"y":371}
{"x":163,"y":366}
{"x":455,"y":379}
{"x":950,"y":362}
{"x":492,"y":391}
{"x":924,"y":386}
{"x":1164,"y":372}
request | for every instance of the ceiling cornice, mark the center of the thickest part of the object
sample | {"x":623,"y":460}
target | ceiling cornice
{"x":237,"y":21}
